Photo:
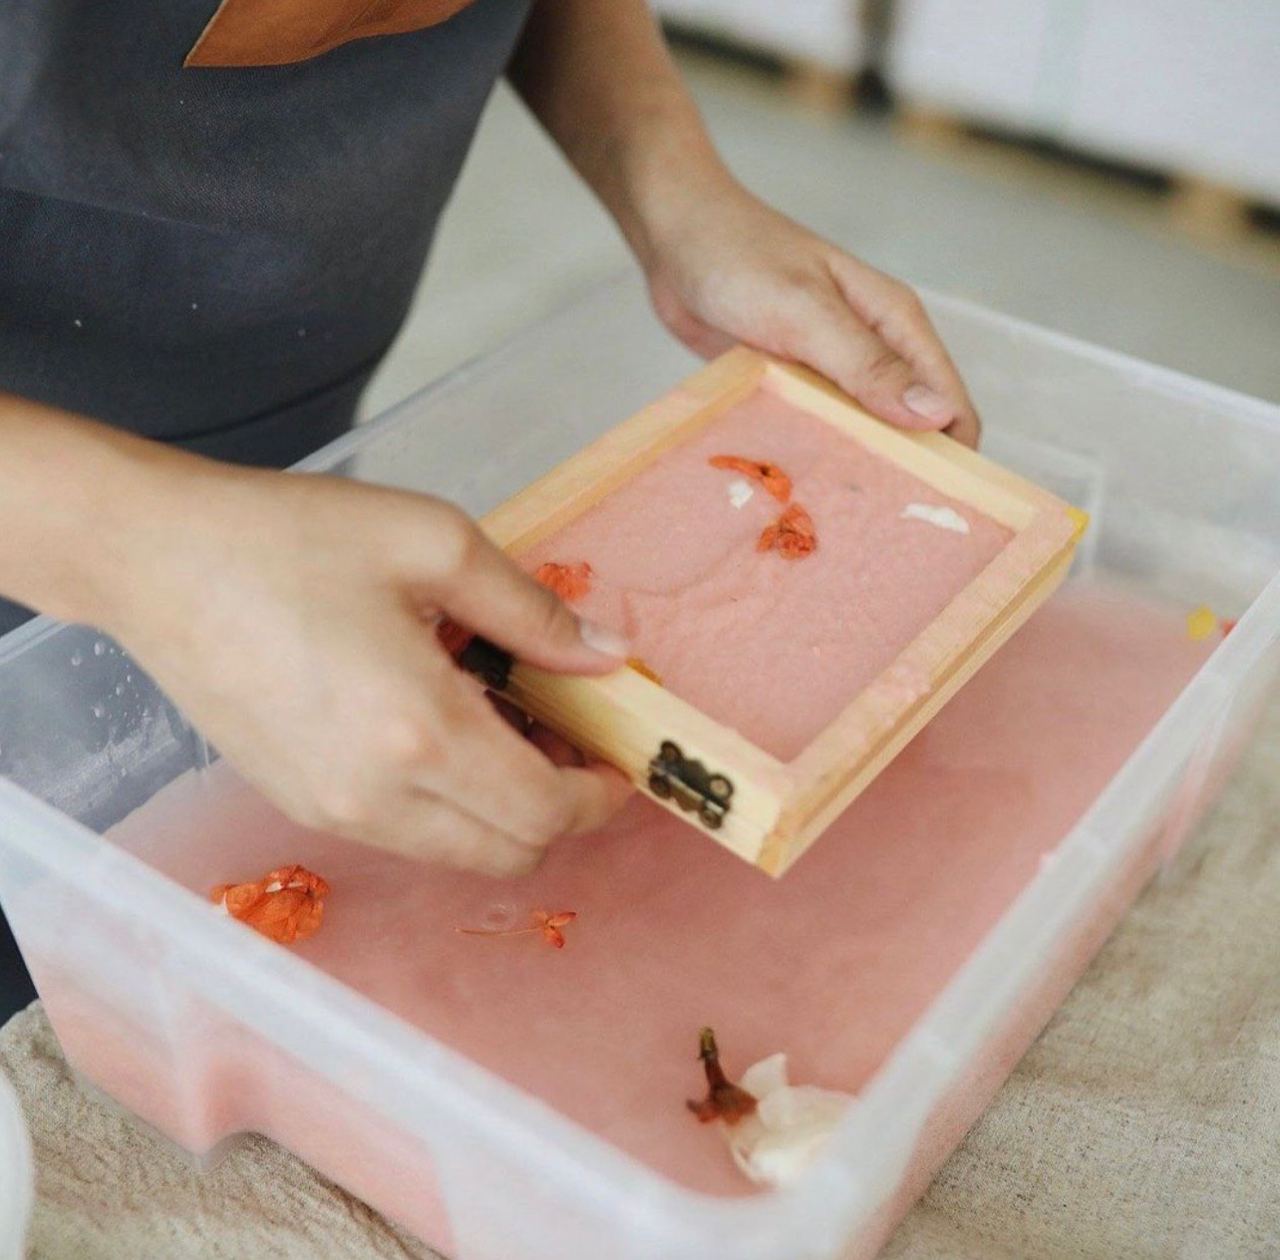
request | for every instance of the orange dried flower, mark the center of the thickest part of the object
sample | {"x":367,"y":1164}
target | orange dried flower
{"x":641,"y":668}
{"x":569,"y":581}
{"x":770,"y":476}
{"x":550,"y":925}
{"x":546,"y":922}
{"x":286,"y":904}
{"x":725,"y":1100}
{"x":792,"y":534}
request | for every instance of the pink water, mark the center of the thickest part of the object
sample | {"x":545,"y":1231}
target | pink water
{"x":773,"y":647}
{"x":833,"y":964}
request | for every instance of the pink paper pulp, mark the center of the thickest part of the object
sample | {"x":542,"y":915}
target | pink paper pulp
{"x":774,"y":647}
{"x":833,"y":964}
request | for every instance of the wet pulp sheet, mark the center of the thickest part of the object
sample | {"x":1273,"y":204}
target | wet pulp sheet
{"x":772,"y":646}
{"x":834,"y":963}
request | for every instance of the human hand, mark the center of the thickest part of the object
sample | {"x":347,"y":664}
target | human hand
{"x":723,"y":268}
{"x":292,"y":619}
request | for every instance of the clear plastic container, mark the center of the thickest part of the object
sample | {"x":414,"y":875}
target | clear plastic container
{"x":17,"y":1181}
{"x":1183,"y":482}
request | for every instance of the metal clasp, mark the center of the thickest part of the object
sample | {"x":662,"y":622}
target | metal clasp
{"x":487,"y":662}
{"x":675,"y":777}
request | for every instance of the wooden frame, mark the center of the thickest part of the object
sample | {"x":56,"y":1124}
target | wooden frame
{"x":777,"y":809}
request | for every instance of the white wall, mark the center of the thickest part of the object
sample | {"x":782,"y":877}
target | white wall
{"x":828,"y":32}
{"x":1188,"y":86}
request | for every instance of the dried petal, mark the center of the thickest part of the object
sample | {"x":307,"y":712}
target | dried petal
{"x":725,"y":1100}
{"x":552,"y":923}
{"x":790,"y":1127}
{"x":569,"y":581}
{"x":770,"y":476}
{"x":286,"y":904}
{"x":792,"y":535}
{"x":938,"y":515}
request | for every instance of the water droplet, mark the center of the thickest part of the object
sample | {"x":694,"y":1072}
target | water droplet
{"x":77,"y":657}
{"x":119,"y":689}
{"x":99,"y":711}
{"x":99,"y":647}
{"x":499,"y":917}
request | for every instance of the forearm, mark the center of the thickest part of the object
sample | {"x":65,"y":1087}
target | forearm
{"x":75,"y":497}
{"x":599,"y":78}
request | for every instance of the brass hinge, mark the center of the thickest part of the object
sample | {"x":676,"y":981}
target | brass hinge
{"x":675,"y":777}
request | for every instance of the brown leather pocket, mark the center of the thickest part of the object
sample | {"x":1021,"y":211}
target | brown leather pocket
{"x":277,"y":32}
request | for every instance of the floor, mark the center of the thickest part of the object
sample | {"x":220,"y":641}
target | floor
{"x":1064,"y":246}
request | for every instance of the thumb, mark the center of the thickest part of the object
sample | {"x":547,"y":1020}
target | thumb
{"x":840,"y":346}
{"x":488,"y":593}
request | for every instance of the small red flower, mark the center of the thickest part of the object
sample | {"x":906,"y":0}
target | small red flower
{"x":552,"y":923}
{"x":547,"y":922}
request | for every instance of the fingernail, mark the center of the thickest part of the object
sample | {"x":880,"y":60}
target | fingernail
{"x":601,"y":639}
{"x":928,"y":403}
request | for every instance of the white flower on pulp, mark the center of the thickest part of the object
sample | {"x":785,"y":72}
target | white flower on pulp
{"x":942,"y":517}
{"x":789,"y":1128}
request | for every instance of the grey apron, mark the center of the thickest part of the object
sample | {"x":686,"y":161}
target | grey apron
{"x":218,"y":257}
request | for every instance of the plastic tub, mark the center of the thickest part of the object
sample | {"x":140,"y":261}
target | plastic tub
{"x":17,"y":1181}
{"x":210,"y":1034}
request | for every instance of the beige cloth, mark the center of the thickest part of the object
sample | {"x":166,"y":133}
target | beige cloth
{"x":1144,"y":1123}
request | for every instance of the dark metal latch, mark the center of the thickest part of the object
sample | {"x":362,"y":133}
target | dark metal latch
{"x":487,"y":662}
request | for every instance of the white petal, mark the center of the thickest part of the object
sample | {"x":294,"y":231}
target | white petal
{"x":801,"y":1105}
{"x":787,"y":1133}
{"x":762,"y":1078}
{"x":942,"y":517}
{"x":789,"y":1128}
{"x":779,"y":1159}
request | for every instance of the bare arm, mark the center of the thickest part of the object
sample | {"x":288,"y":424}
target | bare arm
{"x":721,"y":265}
{"x":62,"y":481}
{"x":291,"y":618}
{"x":600,"y":79}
